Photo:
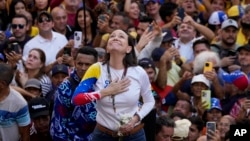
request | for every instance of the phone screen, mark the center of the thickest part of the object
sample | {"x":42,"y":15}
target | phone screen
{"x":181,"y":13}
{"x":67,"y":51}
{"x":102,"y":17}
{"x":210,"y":126}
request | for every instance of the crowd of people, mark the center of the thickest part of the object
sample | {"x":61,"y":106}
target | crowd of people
{"x":131,"y":70}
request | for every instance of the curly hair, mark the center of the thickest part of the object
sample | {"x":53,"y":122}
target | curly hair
{"x":202,"y":58}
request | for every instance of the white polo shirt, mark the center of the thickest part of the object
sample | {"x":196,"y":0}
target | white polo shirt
{"x":186,"y":50}
{"x":50,"y":47}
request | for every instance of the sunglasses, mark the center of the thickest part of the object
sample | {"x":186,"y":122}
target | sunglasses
{"x":41,"y":20}
{"x":20,"y":26}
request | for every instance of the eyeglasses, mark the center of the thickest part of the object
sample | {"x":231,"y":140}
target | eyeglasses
{"x":41,"y":20}
{"x":20,"y":26}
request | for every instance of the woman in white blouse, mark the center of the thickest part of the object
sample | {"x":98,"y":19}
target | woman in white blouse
{"x":117,"y":85}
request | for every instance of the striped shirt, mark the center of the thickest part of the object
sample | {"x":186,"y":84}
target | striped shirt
{"x":14,"y":113}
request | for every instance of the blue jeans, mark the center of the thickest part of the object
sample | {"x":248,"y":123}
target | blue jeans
{"x":100,"y":136}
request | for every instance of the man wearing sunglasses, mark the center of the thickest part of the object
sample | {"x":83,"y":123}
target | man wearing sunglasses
{"x":49,"y":41}
{"x":19,"y":29}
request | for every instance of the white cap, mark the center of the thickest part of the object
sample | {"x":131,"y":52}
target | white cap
{"x":217,"y":17}
{"x":229,"y":22}
{"x":200,"y":78}
{"x":181,"y":128}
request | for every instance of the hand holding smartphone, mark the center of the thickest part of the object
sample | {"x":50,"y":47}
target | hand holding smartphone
{"x":150,"y":28}
{"x":13,"y":47}
{"x":210,"y":127}
{"x":102,"y":17}
{"x":67,"y":51}
{"x":206,"y":98}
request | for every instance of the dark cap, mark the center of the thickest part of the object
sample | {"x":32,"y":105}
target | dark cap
{"x":245,"y":47}
{"x":60,"y":68}
{"x":45,"y":13}
{"x":157,"y":53}
{"x":33,"y":83}
{"x":168,"y":36}
{"x":145,"y":2}
{"x":38,"y":106}
{"x":146,"y":63}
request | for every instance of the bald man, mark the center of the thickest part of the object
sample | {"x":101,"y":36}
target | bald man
{"x":32,"y":30}
{"x":60,"y":18}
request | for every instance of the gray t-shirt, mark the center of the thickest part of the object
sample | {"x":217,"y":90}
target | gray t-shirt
{"x":14,"y":113}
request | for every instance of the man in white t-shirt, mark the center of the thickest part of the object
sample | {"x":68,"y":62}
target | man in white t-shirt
{"x":14,"y":113}
{"x":187,"y":32}
{"x":49,"y":41}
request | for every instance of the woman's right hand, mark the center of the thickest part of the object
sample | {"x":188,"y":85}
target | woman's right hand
{"x":21,"y":78}
{"x":116,"y":87}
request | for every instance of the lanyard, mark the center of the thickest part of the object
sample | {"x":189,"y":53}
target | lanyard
{"x":110,"y":80}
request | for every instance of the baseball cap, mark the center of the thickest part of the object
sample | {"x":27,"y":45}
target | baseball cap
{"x":168,"y":36}
{"x":200,"y":78}
{"x":217,"y":18}
{"x":237,"y":78}
{"x":181,"y":129}
{"x":60,"y":68}
{"x":215,"y":104}
{"x":146,"y":63}
{"x":157,"y":53}
{"x":228,"y":23}
{"x":235,"y":11}
{"x":45,"y":13}
{"x":246,"y":47}
{"x":145,"y":2}
{"x":38,"y":106}
{"x":34,"y":83}
{"x":2,"y":57}
{"x":100,"y":51}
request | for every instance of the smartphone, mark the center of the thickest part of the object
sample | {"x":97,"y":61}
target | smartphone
{"x":231,"y":53}
{"x":13,"y":47}
{"x":150,"y":28}
{"x":67,"y":51}
{"x":210,"y":126}
{"x":208,"y":67}
{"x":77,"y":39}
{"x":206,"y":98}
{"x":102,"y":17}
{"x":248,"y":94}
{"x":181,"y":13}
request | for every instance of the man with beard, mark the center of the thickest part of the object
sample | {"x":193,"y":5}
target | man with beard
{"x":244,"y":59}
{"x":244,"y":33}
{"x":226,"y":47}
{"x":149,"y":37}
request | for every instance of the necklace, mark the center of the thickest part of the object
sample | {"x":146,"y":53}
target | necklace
{"x":110,"y":80}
